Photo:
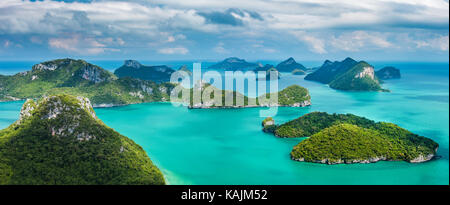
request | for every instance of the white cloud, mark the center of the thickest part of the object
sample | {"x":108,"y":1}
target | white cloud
{"x":439,"y":43}
{"x":354,"y":41}
{"x":80,"y":45}
{"x":175,"y":50}
{"x":315,"y":44}
{"x":219,"y":48}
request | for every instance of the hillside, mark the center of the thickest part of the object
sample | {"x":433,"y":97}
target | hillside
{"x":59,"y":140}
{"x":79,"y":78}
{"x":347,"y":138}
{"x":360,"y":77}
{"x":134,"y":69}
{"x":348,"y":75}
{"x":329,"y":70}
{"x":292,"y":96}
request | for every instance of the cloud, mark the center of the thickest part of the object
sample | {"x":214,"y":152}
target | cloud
{"x":328,"y":27}
{"x":219,"y":48}
{"x":357,"y":40}
{"x":315,"y":44}
{"x":439,"y":43}
{"x":79,"y":45}
{"x":175,"y":50}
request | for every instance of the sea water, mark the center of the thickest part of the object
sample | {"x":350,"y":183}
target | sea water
{"x":227,"y":146}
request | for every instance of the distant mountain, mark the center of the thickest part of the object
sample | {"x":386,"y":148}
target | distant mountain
{"x":347,"y":75}
{"x":329,"y":70}
{"x":289,"y":65}
{"x":60,"y":141}
{"x":360,"y":77}
{"x":80,"y":78}
{"x":387,"y":73}
{"x":233,"y":64}
{"x":134,"y":69}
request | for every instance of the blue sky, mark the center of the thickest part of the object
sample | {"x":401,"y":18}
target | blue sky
{"x":404,"y":30}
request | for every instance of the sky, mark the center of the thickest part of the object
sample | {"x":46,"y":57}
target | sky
{"x":308,"y":30}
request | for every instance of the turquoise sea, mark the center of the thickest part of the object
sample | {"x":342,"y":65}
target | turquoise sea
{"x":227,"y":146}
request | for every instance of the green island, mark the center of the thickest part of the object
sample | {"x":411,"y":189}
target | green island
{"x":60,"y":141}
{"x":347,"y":75}
{"x":289,"y":65}
{"x":360,"y":77}
{"x":292,"y":96}
{"x":347,"y":138}
{"x":79,"y":78}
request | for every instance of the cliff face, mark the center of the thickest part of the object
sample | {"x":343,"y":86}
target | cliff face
{"x":360,"y":77}
{"x":70,"y":145}
{"x":366,"y":72}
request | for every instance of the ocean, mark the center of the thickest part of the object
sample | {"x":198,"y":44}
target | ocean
{"x":227,"y":146}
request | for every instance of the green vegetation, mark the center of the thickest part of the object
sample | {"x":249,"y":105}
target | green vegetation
{"x":298,"y":72}
{"x":348,"y":75}
{"x":294,"y":95}
{"x":269,"y":125}
{"x":59,"y":140}
{"x":79,"y":78}
{"x":347,"y":138}
{"x":351,"y":80}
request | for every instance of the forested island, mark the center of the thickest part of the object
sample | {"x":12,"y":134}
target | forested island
{"x":347,"y":138}
{"x":292,"y":96}
{"x":80,"y":78}
{"x":59,"y":140}
{"x":348,"y":75}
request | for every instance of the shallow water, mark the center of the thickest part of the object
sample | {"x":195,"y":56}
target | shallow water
{"x":227,"y":146}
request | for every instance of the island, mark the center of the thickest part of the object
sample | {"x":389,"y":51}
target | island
{"x":360,"y":77}
{"x":387,"y":73}
{"x":347,"y":138}
{"x":292,"y":96}
{"x":233,"y":64}
{"x":59,"y":140}
{"x":80,"y":78}
{"x":298,"y":72}
{"x":348,"y":75}
{"x":133,"y":69}
{"x":290,"y":65}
